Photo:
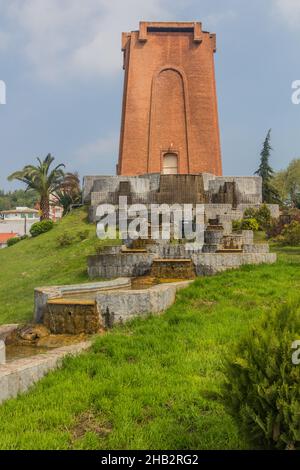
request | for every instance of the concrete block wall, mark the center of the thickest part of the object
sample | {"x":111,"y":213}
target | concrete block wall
{"x":122,"y":306}
{"x":145,"y":189}
{"x":169,"y":251}
{"x":123,"y":265}
{"x":249,"y":188}
{"x":43,"y":294}
{"x":208,"y":264}
{"x":18,"y":376}
{"x":256,"y":248}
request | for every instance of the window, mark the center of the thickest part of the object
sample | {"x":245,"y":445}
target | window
{"x":170,"y":164}
{"x":165,"y":29}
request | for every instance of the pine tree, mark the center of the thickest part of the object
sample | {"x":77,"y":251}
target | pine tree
{"x":266,"y":172}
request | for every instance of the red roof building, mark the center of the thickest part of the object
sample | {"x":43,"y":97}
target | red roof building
{"x":4,"y":237}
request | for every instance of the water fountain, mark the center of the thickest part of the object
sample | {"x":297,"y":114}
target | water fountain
{"x":169,"y":268}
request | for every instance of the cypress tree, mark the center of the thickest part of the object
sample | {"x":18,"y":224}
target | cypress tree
{"x":266,"y":172}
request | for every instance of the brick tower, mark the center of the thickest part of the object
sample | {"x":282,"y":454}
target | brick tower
{"x":170,"y":116}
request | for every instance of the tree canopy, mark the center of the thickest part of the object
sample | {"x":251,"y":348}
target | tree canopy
{"x":42,"y":178}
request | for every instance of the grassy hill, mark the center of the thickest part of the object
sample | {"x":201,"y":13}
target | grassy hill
{"x":41,"y":262}
{"x":150,"y":384}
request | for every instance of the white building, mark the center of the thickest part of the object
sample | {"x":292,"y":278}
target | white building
{"x":18,"y":220}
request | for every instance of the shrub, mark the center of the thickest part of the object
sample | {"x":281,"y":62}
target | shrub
{"x":263,"y":217}
{"x":250,"y":213}
{"x":13,"y":241}
{"x":262,"y":389}
{"x":41,"y":227}
{"x":65,"y":239}
{"x":236,"y":225}
{"x":249,"y":224}
{"x":83,"y":235}
{"x":277,"y":226}
{"x":291,"y":234}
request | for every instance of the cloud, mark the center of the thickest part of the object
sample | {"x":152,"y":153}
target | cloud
{"x":76,"y":38}
{"x":81,"y":39}
{"x":103,"y":153}
{"x":289,"y":11}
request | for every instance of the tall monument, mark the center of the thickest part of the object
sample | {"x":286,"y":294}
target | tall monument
{"x":170,"y":117}
{"x":169,"y":143}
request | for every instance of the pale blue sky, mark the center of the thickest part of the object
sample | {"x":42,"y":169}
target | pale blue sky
{"x":62,"y":65}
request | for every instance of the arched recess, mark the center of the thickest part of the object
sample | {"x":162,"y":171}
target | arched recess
{"x":169,"y":127}
{"x":170,"y":164}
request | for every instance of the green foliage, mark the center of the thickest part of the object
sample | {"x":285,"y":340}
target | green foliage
{"x":263,"y":217}
{"x":153,"y":383}
{"x":83,"y":235}
{"x":250,"y":213}
{"x":13,"y":241}
{"x":291,"y":234}
{"x":277,"y":226}
{"x":38,"y":262}
{"x":43,"y":179}
{"x":236,"y":225}
{"x":65,"y":239}
{"x":287,"y":183}
{"x":265,"y":171}
{"x":18,"y":198}
{"x":254,"y":219}
{"x":41,"y":227}
{"x":69,"y":192}
{"x":245,"y":224}
{"x":262,"y":389}
{"x":249,"y":224}
{"x":270,"y":194}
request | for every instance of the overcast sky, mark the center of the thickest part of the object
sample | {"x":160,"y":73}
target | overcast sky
{"x":62,"y":65}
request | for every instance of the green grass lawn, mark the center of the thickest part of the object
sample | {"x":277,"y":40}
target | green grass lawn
{"x":41,"y":262}
{"x":151,"y":384}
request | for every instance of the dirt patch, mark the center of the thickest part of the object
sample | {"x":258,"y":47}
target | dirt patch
{"x":203,"y":303}
{"x":90,"y":422}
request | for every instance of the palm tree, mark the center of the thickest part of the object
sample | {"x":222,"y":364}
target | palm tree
{"x":69,"y":192}
{"x":44,"y":180}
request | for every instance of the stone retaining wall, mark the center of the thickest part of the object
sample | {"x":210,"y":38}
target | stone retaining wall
{"x":18,"y":376}
{"x":211,"y":263}
{"x":121,"y":306}
{"x":43,"y":294}
{"x":257,"y":248}
{"x":168,"y":251}
{"x":127,"y":265}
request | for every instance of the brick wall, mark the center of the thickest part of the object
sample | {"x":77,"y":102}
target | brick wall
{"x":169,"y":102}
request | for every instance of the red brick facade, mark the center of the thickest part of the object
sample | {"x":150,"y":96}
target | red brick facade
{"x":170,"y":116}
